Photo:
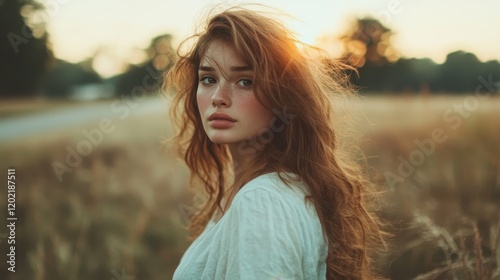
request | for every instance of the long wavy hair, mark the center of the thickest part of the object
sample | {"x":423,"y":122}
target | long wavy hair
{"x":292,"y":80}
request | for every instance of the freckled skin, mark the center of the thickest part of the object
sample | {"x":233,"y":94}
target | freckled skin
{"x":226,"y":90}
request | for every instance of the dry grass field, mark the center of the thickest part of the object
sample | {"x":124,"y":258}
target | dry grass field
{"x":119,"y":212}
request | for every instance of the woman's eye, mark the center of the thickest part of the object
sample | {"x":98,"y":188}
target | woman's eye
{"x":207,"y":80}
{"x":245,"y":82}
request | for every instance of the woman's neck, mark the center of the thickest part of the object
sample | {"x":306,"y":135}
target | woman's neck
{"x":241,"y":164}
{"x":241,"y":160}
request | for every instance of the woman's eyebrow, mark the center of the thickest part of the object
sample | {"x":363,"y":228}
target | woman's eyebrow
{"x":241,"y":68}
{"x":206,"y":68}
{"x":233,"y":68}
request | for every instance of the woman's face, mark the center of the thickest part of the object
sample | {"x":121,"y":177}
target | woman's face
{"x":228,"y":107}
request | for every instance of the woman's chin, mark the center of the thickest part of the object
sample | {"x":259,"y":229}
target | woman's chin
{"x":221,"y":139}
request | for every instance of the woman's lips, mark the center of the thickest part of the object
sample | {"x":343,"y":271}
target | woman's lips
{"x":220,"y":121}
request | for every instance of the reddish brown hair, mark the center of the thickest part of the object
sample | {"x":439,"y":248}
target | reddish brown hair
{"x":287,"y":79}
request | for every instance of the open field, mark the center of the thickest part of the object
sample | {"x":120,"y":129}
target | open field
{"x":13,"y":107}
{"x":119,"y":209}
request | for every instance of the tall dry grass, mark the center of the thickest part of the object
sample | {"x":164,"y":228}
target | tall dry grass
{"x":114,"y":217}
{"x":445,"y":216}
{"x":121,"y":213}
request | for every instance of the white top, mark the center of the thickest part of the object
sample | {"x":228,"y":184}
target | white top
{"x":268,"y":232}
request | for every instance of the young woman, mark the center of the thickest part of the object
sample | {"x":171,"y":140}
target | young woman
{"x":257,"y":128}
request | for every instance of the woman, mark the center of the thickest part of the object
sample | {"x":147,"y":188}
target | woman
{"x":256,"y":127}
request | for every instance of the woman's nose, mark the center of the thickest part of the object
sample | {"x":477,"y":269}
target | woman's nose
{"x":221,"y":96}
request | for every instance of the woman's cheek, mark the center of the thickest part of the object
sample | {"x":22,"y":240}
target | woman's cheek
{"x":247,"y":103}
{"x":253,"y":106}
{"x":204,"y":100}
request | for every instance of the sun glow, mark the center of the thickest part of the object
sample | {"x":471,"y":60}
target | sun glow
{"x":79,"y":28}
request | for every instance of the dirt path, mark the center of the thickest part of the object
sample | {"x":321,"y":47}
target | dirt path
{"x":49,"y":121}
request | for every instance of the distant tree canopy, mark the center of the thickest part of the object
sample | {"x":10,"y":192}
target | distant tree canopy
{"x":147,"y":77}
{"x":367,"y":46}
{"x":64,"y":79}
{"x":24,"y":55}
{"x":27,"y":66}
{"x":64,"y":76}
{"x":368,"y":42}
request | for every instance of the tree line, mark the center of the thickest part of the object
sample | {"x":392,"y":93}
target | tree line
{"x":380,"y":68}
{"x":28,"y":67}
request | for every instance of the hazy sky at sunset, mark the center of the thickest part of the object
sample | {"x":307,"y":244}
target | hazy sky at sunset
{"x":424,"y":28}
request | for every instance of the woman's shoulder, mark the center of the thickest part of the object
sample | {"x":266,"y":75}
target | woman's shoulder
{"x":270,"y":195}
{"x":274,"y":206}
{"x":282,"y":184}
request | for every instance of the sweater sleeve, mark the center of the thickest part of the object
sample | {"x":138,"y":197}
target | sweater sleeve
{"x":264,"y":237}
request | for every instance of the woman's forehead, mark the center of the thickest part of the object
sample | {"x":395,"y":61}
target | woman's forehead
{"x":223,"y":54}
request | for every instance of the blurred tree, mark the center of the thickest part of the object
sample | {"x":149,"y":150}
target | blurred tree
{"x":24,"y":54}
{"x":368,"y":42}
{"x":414,"y":75}
{"x":367,"y":46}
{"x":147,"y":77}
{"x":459,"y":72}
{"x":64,"y":76}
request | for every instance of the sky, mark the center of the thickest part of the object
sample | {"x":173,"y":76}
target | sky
{"x":121,"y":29}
